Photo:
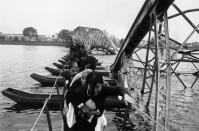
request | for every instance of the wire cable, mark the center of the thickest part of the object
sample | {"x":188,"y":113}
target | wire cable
{"x":46,"y":102}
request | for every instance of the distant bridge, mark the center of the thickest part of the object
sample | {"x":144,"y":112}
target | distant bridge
{"x":95,"y":39}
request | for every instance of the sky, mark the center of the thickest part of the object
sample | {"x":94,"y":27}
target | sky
{"x":114,"y":16}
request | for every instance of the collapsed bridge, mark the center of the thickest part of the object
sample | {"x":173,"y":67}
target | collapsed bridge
{"x":152,"y":23}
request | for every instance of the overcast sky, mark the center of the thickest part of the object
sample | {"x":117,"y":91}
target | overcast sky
{"x":114,"y":16}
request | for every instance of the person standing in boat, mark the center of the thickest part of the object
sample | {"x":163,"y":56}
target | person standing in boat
{"x":88,"y":101}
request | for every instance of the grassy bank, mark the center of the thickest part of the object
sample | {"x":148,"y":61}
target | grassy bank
{"x":40,"y":43}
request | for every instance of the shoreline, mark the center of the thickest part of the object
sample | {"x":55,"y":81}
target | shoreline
{"x":34,"y":43}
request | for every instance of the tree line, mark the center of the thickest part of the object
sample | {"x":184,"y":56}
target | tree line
{"x":65,"y":36}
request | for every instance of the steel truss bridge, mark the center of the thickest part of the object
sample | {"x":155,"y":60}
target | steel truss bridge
{"x":145,"y":80}
{"x":130,"y":67}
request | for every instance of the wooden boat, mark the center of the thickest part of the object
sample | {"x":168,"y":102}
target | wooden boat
{"x":48,"y":81}
{"x":56,"y":72}
{"x":59,"y":66}
{"x":62,"y":62}
{"x":64,"y":58}
{"x":31,"y":99}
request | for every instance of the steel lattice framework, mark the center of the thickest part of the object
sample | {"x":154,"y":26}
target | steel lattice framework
{"x":150,"y":76}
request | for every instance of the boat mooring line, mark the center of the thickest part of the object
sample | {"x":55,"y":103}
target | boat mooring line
{"x":141,"y":112}
{"x":35,"y":123}
{"x":46,"y":102}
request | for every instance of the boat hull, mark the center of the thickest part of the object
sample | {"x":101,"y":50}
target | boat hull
{"x":56,"y":72}
{"x":31,"y":99}
{"x":48,"y":81}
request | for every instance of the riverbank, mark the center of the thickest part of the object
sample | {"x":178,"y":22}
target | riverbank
{"x":40,"y":43}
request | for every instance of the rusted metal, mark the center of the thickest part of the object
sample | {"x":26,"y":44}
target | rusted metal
{"x":146,"y":64}
{"x":168,"y":77}
{"x":140,"y":28}
{"x":157,"y":70}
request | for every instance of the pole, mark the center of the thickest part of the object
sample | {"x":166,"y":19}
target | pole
{"x":157,"y":70}
{"x":146,"y":64}
{"x":168,"y":77}
{"x":48,"y":119}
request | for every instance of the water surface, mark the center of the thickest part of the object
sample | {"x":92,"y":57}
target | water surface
{"x":18,"y":62}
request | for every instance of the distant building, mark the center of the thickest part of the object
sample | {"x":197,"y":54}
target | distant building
{"x":10,"y":37}
{"x":20,"y":37}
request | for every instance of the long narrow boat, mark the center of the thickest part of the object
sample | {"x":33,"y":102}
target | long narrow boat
{"x":64,"y":58}
{"x":56,"y":72}
{"x":48,"y":81}
{"x":33,"y":100}
{"x":59,"y":66}
{"x":62,"y":62}
{"x":25,"y":98}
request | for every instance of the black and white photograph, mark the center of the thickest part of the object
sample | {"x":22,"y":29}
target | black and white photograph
{"x":99,"y":65}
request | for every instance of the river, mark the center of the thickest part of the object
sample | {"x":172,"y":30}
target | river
{"x":17,"y":62}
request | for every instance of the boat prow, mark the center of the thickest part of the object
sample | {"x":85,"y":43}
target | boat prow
{"x":49,"y":81}
{"x":25,"y":98}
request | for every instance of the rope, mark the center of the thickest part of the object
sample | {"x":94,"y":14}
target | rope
{"x":46,"y":102}
{"x":150,"y":118}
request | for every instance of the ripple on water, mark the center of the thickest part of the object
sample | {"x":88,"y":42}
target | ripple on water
{"x":21,"y":61}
